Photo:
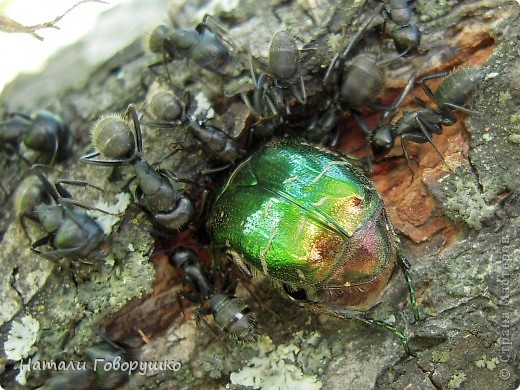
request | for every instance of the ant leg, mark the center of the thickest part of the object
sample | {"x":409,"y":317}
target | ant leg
{"x":48,"y":255}
{"x":164,"y":157}
{"x":186,"y":295}
{"x":230,"y":287}
{"x":330,"y":68}
{"x":167,"y":57}
{"x":304,"y":92}
{"x":51,"y":190}
{"x":68,"y":201}
{"x":249,"y":289}
{"x":355,"y":39}
{"x":260,"y":94}
{"x":405,"y":92}
{"x":89,"y":159}
{"x":30,"y":217}
{"x":132,"y":112}
{"x":299,"y":92}
{"x":463,"y":109}
{"x":421,"y":103}
{"x":220,"y":31}
{"x":248,"y":103}
{"x":79,"y":183}
{"x":368,"y":133}
{"x":209,"y":171}
{"x":407,"y":156}
{"x":424,"y":129}
{"x":363,"y":125}
{"x":427,"y":89}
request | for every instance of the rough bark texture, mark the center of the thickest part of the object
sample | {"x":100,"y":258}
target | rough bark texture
{"x":459,"y":226}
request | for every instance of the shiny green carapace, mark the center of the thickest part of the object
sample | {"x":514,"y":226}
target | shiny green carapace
{"x":310,"y":221}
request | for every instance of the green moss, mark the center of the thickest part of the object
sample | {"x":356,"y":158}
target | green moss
{"x":456,"y":380}
{"x":428,"y":10}
{"x":514,"y":138}
{"x":466,"y":202}
{"x":504,"y":98}
{"x":290,"y":365}
{"x":514,"y":120}
{"x":215,"y":367}
{"x":315,"y":353}
{"x":440,"y":356}
{"x":336,"y":42}
{"x":490,"y":364}
{"x":304,"y":357}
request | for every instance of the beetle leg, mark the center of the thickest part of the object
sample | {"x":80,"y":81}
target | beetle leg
{"x":389,"y":327}
{"x":235,"y":258}
{"x":405,"y":267}
{"x":349,"y":314}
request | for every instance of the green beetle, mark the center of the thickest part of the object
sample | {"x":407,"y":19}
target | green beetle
{"x":314,"y":225}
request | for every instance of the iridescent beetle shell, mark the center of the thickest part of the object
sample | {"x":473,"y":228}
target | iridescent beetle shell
{"x":310,"y":221}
